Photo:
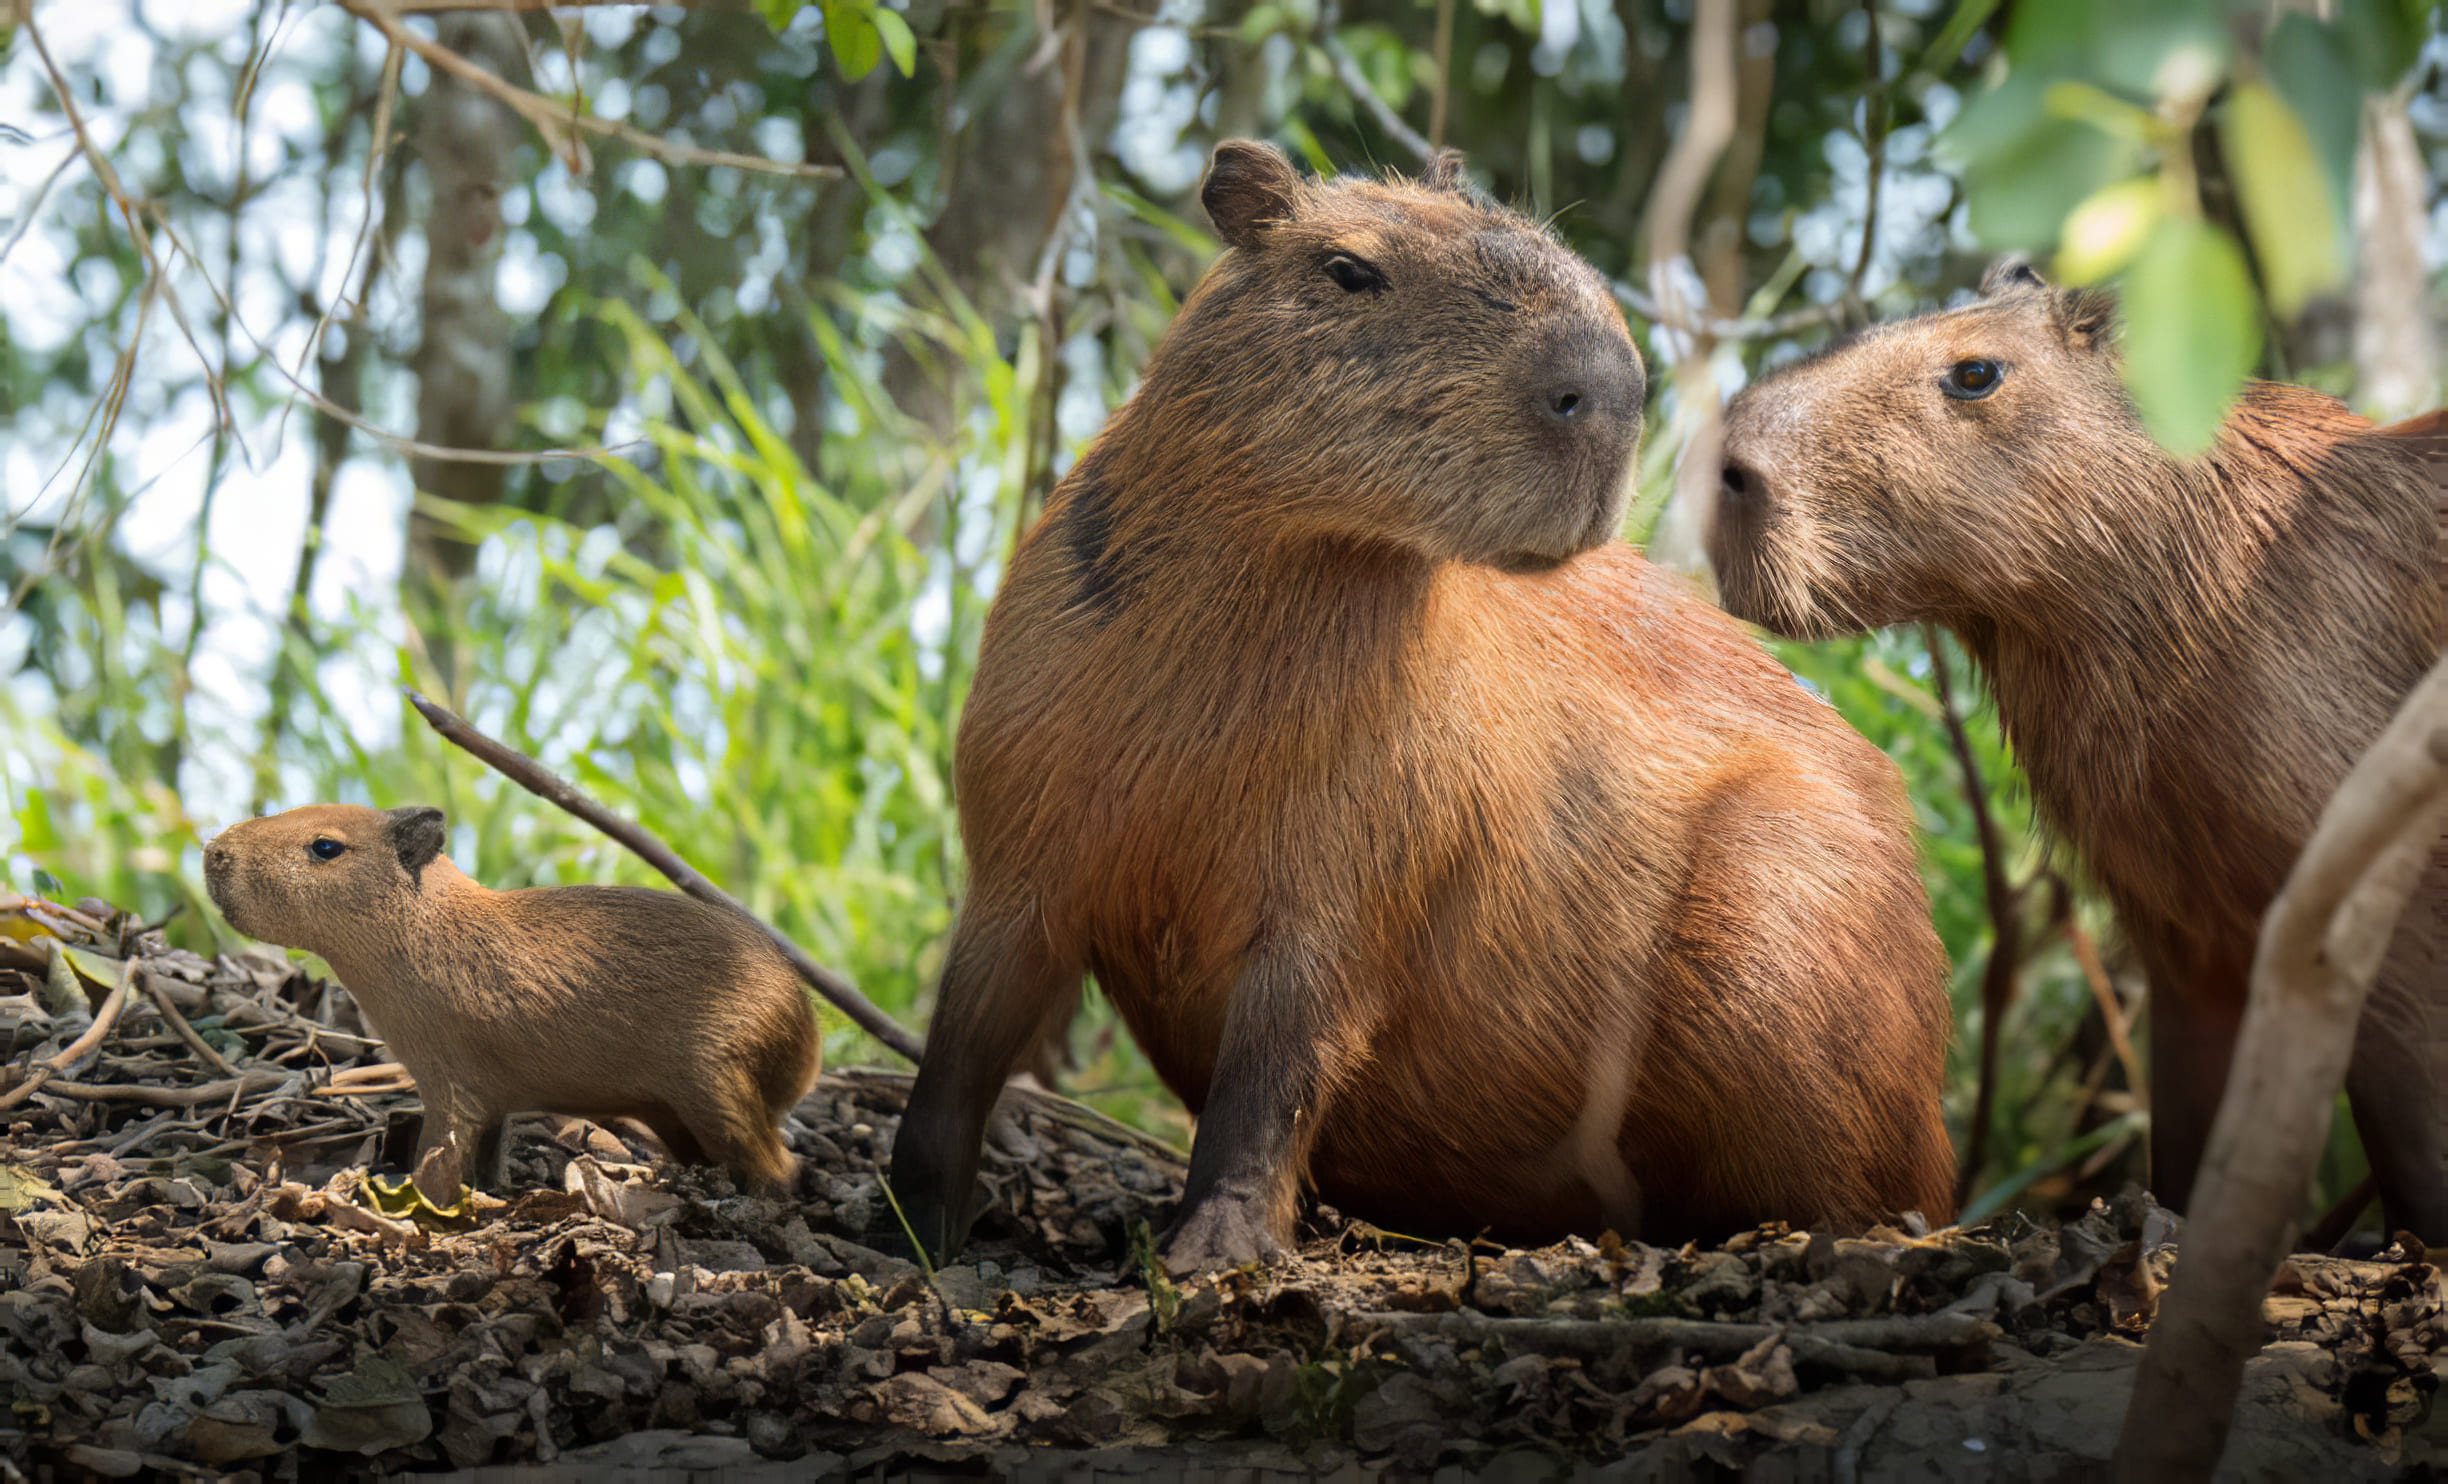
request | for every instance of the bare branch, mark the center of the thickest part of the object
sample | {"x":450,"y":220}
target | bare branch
{"x":103,"y":1020}
{"x":532,"y":776}
{"x":2005,"y":904}
{"x":1708,"y":127}
{"x":2322,"y":942}
{"x":555,"y":121}
{"x":1347,"y":71}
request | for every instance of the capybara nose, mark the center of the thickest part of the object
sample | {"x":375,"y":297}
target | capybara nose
{"x":1587,"y":377}
{"x":1742,"y":486}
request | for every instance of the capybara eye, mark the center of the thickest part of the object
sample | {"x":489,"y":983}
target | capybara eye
{"x":1354,"y":276}
{"x":1969,"y":381}
{"x":325,"y":848}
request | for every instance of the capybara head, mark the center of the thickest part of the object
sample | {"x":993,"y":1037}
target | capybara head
{"x":321,"y":873}
{"x":1934,"y":468}
{"x":1399,"y":361}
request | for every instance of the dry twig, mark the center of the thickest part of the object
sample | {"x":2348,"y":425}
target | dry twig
{"x":68,"y":1055}
{"x":2322,"y":942}
{"x":532,"y":776}
{"x":2005,"y":903}
{"x":558,"y":123}
{"x":178,"y":1024}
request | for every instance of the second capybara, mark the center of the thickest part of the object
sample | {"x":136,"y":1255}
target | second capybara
{"x":2187,"y":654}
{"x":598,"y":1001}
{"x":1438,"y":850}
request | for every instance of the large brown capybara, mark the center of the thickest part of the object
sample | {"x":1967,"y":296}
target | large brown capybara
{"x":599,"y":1001}
{"x":2187,"y":654}
{"x":1435,"y":848}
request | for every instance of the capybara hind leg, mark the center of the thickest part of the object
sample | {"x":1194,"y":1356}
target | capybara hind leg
{"x":1001,"y":996}
{"x":2192,"y":1040}
{"x":728,"y":1125}
{"x":677,"y":1134}
{"x":1282,"y":1055}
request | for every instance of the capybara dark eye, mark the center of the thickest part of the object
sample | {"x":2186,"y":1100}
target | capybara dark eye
{"x":325,"y":848}
{"x":1969,"y":381}
{"x":1354,"y":276}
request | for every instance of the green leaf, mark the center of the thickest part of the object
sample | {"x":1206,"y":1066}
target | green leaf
{"x":850,"y":27}
{"x":2307,"y":63}
{"x":780,"y":13}
{"x":2285,"y":195}
{"x":2019,"y":196}
{"x":1948,"y":48}
{"x":900,"y":43}
{"x":2192,"y":332}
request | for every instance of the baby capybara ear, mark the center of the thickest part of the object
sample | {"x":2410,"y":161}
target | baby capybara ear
{"x":2010,"y":276}
{"x":1250,"y":186}
{"x":416,"y":833}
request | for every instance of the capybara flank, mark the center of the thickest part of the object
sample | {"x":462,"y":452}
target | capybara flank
{"x":1435,"y":848}
{"x":2187,"y":654}
{"x":598,"y":1001}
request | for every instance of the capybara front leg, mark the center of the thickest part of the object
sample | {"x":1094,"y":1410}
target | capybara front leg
{"x":1285,"y":1046}
{"x":1001,"y":996}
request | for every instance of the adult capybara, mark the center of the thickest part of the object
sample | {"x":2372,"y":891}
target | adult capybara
{"x":1433,"y":846}
{"x":2187,"y":654}
{"x":599,"y":1001}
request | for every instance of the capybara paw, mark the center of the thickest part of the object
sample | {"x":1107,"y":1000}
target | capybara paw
{"x":1222,"y":1234}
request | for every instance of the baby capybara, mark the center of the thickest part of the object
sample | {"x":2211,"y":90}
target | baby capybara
{"x":2187,"y":654}
{"x":599,"y":1001}
{"x":1435,"y":847}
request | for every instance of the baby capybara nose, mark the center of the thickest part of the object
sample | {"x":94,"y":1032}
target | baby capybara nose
{"x":1585,"y":377}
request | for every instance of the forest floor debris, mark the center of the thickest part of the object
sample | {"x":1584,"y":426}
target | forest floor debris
{"x":198,"y":1278}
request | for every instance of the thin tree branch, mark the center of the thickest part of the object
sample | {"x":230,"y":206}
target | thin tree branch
{"x":1347,"y":71}
{"x":178,"y":1024}
{"x":532,"y":776}
{"x":1874,"y":123}
{"x":2005,"y":918}
{"x":555,"y":121}
{"x":103,"y":1020}
{"x":2322,"y":942}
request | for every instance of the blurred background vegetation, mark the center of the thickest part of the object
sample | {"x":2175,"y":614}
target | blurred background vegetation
{"x":779,"y":320}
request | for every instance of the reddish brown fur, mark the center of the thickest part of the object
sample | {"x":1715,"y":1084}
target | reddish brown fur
{"x":599,"y":1001}
{"x":1431,"y":843}
{"x":2186,"y":655}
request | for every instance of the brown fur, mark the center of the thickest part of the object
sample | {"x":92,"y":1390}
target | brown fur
{"x":599,"y":1001}
{"x":2187,"y":655}
{"x":1431,"y":843}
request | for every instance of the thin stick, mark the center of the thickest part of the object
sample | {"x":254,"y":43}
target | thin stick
{"x":554,"y":121}
{"x":171,"y":1097}
{"x":178,"y":1023}
{"x":103,"y":1020}
{"x":2005,"y":919}
{"x":1347,"y":71}
{"x":532,"y":776}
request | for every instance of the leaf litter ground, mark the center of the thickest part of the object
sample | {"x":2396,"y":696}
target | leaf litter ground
{"x":197,"y":1278}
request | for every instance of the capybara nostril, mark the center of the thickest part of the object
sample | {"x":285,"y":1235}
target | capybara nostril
{"x":1585,"y":377}
{"x":1741,"y":486}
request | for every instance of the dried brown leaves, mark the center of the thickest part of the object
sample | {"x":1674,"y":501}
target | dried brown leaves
{"x":205,"y":1280}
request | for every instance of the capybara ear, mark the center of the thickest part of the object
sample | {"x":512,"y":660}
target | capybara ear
{"x":416,"y":833}
{"x":2085,"y":317}
{"x":1249,"y":187}
{"x":1445,"y":172}
{"x":2010,"y":275}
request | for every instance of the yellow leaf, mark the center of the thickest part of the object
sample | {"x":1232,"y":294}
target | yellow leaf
{"x":2108,"y":228}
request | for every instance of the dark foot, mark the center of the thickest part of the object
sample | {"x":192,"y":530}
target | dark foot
{"x":1222,"y":1233}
